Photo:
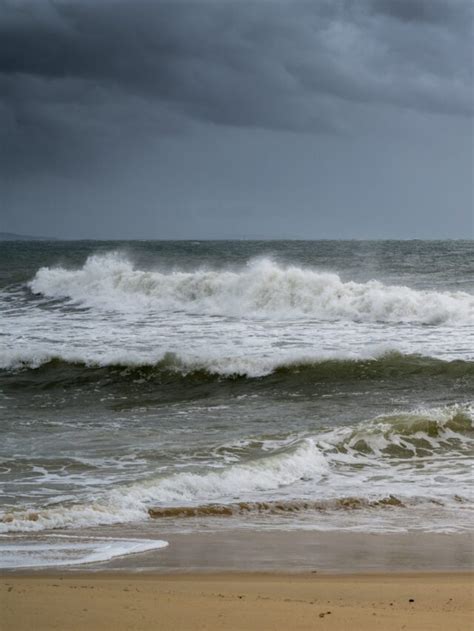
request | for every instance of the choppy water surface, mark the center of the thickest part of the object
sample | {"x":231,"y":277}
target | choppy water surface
{"x":317,"y":385}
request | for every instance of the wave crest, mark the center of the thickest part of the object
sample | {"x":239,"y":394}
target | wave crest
{"x":43,"y":368}
{"x":262,"y":288}
{"x":375,"y":461}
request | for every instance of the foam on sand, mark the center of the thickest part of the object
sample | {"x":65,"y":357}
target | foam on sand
{"x":70,"y":551}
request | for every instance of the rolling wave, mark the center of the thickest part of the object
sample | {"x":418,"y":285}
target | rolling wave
{"x":69,"y":370}
{"x":262,"y":288}
{"x":368,"y":465}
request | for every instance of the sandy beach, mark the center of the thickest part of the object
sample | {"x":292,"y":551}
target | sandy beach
{"x":238,"y":601}
{"x":243,"y":581}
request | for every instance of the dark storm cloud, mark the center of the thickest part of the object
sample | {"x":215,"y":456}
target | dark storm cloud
{"x":435,"y":11}
{"x":84,"y":74}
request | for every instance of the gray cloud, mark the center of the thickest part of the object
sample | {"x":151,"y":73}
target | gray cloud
{"x":78,"y":73}
{"x":200,"y":118}
{"x":434,"y":11}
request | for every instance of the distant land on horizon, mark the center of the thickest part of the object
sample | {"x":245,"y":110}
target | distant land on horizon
{"x":12,"y":236}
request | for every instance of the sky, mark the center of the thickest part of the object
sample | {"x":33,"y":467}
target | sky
{"x":134,"y":119}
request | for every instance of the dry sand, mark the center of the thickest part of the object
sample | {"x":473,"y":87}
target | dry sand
{"x":241,"y":602}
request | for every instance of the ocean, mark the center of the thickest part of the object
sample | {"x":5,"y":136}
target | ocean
{"x":161,"y":386}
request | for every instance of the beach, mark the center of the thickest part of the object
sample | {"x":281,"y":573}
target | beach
{"x":257,"y":581}
{"x":238,"y":601}
{"x":236,"y":435}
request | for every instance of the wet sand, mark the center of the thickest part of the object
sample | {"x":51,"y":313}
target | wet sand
{"x":300,"y":551}
{"x":232,"y":580}
{"x":235,"y":601}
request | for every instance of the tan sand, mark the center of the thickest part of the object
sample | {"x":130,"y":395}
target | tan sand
{"x":243,"y":602}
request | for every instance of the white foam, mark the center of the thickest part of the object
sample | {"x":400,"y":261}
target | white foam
{"x":238,"y":480}
{"x":183,"y":362}
{"x":261,"y":288}
{"x":246,"y":321}
{"x":398,"y":429}
{"x":327,"y":465}
{"x":126,"y":504}
{"x":69,"y":553}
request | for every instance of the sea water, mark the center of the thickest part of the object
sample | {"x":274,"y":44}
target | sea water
{"x":323,"y":385}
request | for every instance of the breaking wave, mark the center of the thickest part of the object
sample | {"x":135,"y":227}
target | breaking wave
{"x":368,"y":465}
{"x":262,"y":288}
{"x":70,"y":369}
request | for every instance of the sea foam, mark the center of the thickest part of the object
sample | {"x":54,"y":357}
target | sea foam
{"x":370,"y":461}
{"x":71,"y":551}
{"x":262,"y":288}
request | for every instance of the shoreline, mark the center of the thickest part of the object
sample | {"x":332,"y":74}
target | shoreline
{"x":276,"y":551}
{"x":236,"y":601}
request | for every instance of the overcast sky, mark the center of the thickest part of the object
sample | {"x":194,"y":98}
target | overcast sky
{"x":258,"y":119}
